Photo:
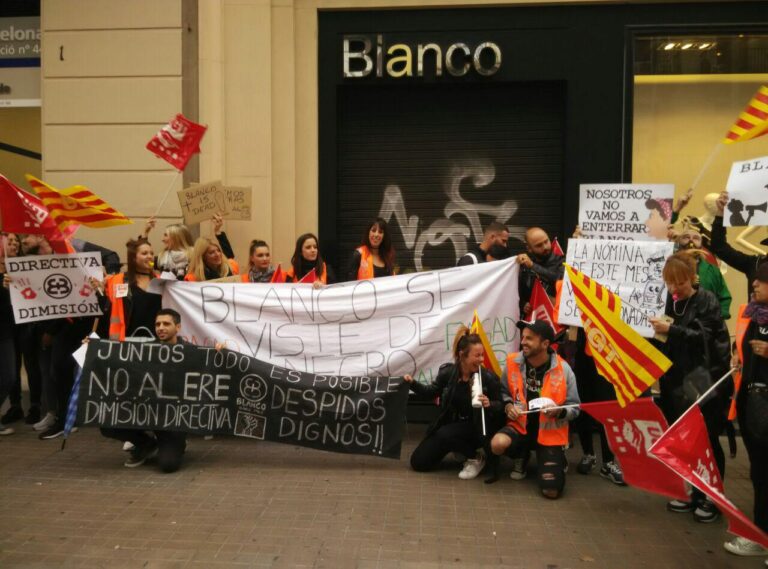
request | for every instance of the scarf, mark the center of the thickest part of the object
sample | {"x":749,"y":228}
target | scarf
{"x":175,"y":262}
{"x":256,"y":276}
{"x":757,"y":312}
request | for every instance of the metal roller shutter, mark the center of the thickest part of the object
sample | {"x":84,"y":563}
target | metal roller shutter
{"x":439,"y":162}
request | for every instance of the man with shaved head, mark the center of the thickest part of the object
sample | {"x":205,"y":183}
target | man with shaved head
{"x":538,"y":261}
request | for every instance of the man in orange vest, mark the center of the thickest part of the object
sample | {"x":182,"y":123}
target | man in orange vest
{"x":537,"y":375}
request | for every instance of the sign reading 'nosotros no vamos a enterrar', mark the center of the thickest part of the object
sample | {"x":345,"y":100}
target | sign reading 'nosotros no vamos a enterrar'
{"x":638,"y":212}
{"x":181,"y":387}
{"x":45,"y":287}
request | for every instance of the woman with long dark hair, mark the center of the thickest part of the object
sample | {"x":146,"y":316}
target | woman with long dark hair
{"x":458,"y":427}
{"x":260,"y":262}
{"x":306,"y":256}
{"x":376,"y":256}
{"x":697,"y":337}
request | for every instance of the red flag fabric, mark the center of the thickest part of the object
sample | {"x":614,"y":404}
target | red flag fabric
{"x":24,"y":213}
{"x":177,"y":141}
{"x":278,"y":276}
{"x":310,"y":277}
{"x":685,"y":449}
{"x":542,"y":308}
{"x":556,"y":249}
{"x":631,"y":431}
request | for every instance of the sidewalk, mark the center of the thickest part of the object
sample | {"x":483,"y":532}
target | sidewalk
{"x":238,"y":503}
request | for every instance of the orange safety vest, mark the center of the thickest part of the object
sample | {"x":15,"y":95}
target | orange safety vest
{"x":742,"y":323}
{"x":233,"y":266}
{"x":117,"y":314}
{"x":290,"y":276}
{"x":552,"y":431}
{"x":365,"y":271}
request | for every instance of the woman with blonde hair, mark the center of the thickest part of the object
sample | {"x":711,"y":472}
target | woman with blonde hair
{"x":209,"y":262}
{"x":177,"y":248}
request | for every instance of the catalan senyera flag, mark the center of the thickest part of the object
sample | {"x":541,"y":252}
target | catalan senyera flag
{"x":753,"y":121}
{"x":622,"y":356}
{"x":76,"y":205}
{"x":489,"y":358}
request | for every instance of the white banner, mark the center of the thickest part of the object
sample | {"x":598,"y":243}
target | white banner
{"x":44,"y":287}
{"x":388,"y":326}
{"x":747,"y":193}
{"x":631,"y":269}
{"x":638,"y":212}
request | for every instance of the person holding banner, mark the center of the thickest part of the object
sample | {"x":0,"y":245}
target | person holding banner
{"x":306,"y":257}
{"x":167,"y":446}
{"x":209,"y":262}
{"x":376,"y":256}
{"x":538,"y":262}
{"x":459,"y":426}
{"x":129,"y":310}
{"x":537,"y":374}
{"x":752,"y":403}
{"x":177,"y":248}
{"x":260,"y":261}
{"x":495,"y":233}
{"x":698,"y":343}
{"x":7,"y":345}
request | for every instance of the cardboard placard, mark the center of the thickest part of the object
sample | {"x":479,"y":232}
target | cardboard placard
{"x":747,"y":193}
{"x":202,"y":201}
{"x":637,"y":212}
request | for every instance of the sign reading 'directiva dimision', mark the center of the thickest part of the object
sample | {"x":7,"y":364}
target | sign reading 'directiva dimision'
{"x":181,"y":387}
{"x":367,"y":54}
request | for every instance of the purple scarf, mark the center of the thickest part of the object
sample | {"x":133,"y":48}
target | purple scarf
{"x":757,"y":312}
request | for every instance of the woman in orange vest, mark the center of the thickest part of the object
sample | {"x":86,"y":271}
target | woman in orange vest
{"x":752,"y":403}
{"x":306,"y":256}
{"x":537,"y":373}
{"x":130,"y":309}
{"x":209,"y":262}
{"x":376,"y":256}
{"x":458,"y":427}
{"x":697,"y":338}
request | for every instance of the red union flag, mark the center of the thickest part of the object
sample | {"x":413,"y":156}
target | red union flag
{"x":541,"y":307}
{"x":23,"y":212}
{"x":279,"y":275}
{"x":310,"y":277}
{"x":556,"y":249}
{"x":685,"y":449}
{"x":631,"y":431}
{"x":177,"y":141}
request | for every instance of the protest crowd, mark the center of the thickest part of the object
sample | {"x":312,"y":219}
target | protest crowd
{"x":133,"y":356}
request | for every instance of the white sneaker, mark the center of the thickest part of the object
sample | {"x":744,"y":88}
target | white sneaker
{"x":4,"y":431}
{"x":518,"y":469}
{"x":472,"y":467}
{"x":45,"y":423}
{"x":744,"y":546}
{"x":128,"y":446}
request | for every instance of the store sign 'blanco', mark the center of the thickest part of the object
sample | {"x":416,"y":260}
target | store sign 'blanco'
{"x":397,"y":59}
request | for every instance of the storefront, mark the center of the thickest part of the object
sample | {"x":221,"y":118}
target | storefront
{"x":441,"y":121}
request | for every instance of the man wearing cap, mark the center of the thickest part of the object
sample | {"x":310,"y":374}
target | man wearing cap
{"x":538,"y":262}
{"x":537,"y":373}
{"x":742,"y":262}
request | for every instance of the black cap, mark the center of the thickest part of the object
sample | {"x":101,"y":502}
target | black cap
{"x":538,"y":327}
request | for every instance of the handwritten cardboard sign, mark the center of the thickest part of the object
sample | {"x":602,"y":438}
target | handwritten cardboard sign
{"x":631,"y":269}
{"x":637,"y":212}
{"x":201,"y":201}
{"x":747,"y":193}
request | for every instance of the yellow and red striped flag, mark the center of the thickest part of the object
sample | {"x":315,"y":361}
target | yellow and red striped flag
{"x":76,"y":206}
{"x":489,"y":358}
{"x":753,"y":121}
{"x":622,"y":356}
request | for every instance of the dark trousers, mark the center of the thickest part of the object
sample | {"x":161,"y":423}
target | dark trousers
{"x":63,"y":365}
{"x":758,"y":464}
{"x":592,"y":388}
{"x":462,"y":437}
{"x":170,"y":445}
{"x":550,"y":460}
{"x":7,"y":368}
{"x":27,"y":347}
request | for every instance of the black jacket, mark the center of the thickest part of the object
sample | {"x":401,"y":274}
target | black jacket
{"x":699,"y":332}
{"x":477,"y":256}
{"x":444,"y":386}
{"x":742,"y":262}
{"x":549,"y":269}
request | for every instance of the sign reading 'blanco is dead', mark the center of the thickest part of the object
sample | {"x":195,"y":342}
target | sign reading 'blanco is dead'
{"x":44,"y":287}
{"x":631,"y":269}
{"x":181,"y":387}
{"x":638,"y":212}
{"x":747,"y":193}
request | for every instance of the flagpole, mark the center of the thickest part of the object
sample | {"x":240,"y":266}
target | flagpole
{"x":712,"y":155}
{"x":168,"y":191}
{"x":571,"y":406}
